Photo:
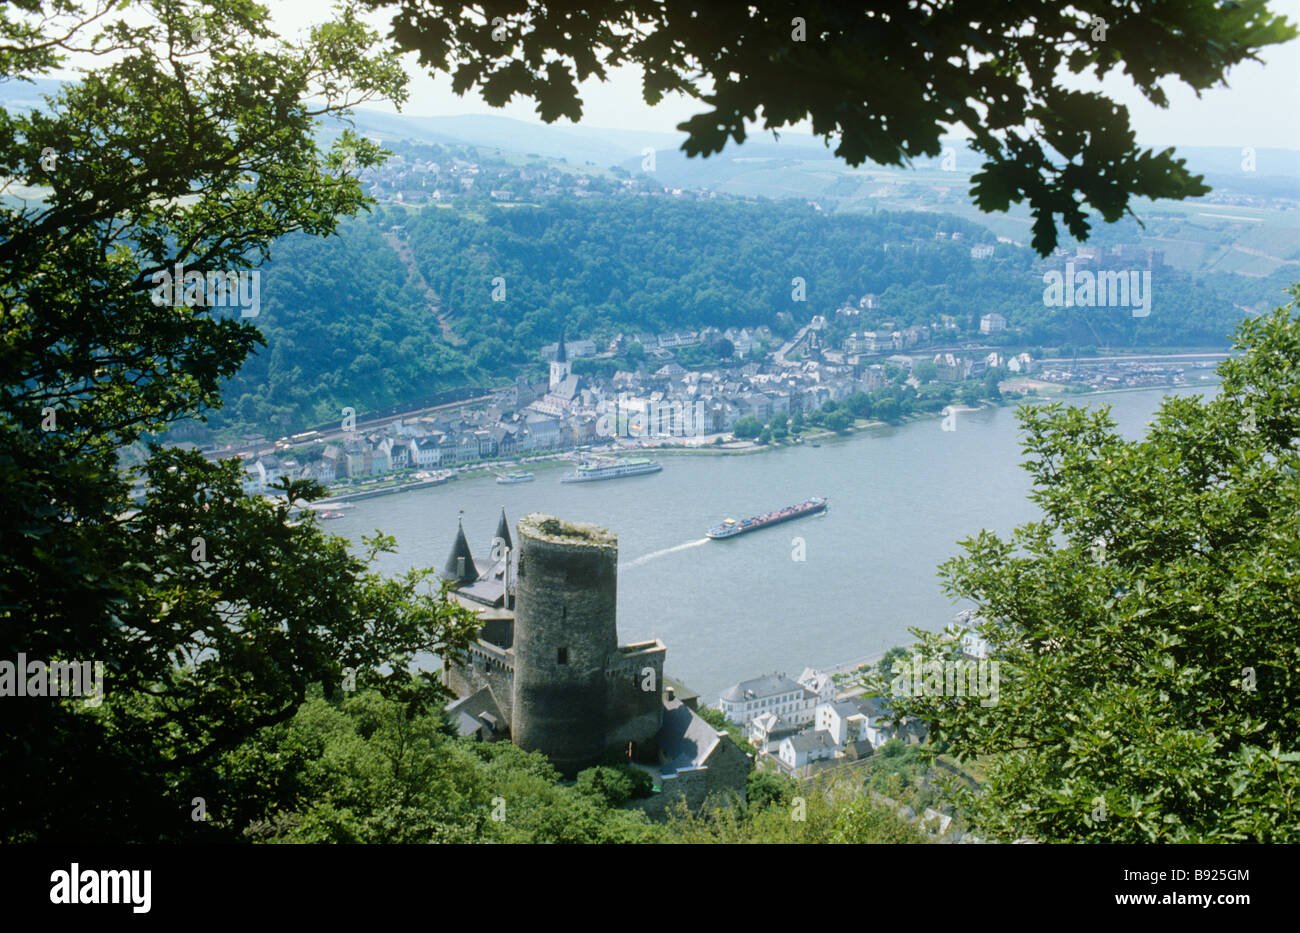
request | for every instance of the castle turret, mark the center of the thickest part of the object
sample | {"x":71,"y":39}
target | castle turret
{"x":566,"y":596}
{"x":460,"y":563}
{"x":502,"y":537}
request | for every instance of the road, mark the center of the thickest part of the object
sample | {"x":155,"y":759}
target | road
{"x":267,"y":447}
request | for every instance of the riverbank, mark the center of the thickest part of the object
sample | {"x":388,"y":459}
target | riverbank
{"x":387,"y":490}
{"x":810,"y":437}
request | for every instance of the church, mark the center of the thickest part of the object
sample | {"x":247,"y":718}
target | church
{"x":564,"y":388}
{"x":548,"y":674}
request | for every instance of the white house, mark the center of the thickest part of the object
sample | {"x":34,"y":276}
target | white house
{"x":819,"y":683}
{"x":1021,"y":362}
{"x":772,"y":693}
{"x":767,"y":731}
{"x":425,"y":452}
{"x":799,"y":750}
{"x":842,"y":721}
{"x":879,"y":727}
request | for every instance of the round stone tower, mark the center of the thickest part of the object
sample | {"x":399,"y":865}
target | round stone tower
{"x":566,"y":590}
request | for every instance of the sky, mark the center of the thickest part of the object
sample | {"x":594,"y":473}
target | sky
{"x":1260,"y":107}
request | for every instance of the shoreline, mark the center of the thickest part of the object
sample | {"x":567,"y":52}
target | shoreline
{"x":490,"y":468}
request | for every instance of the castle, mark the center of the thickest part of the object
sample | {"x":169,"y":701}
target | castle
{"x":547,"y":671}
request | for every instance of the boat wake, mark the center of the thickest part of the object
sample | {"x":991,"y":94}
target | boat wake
{"x":670,"y":550}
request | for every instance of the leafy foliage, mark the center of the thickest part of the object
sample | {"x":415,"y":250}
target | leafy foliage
{"x":1148,"y":627}
{"x":882,"y":83}
{"x":211,"y":612}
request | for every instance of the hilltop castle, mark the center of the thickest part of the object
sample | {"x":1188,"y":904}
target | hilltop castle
{"x":547,"y":671}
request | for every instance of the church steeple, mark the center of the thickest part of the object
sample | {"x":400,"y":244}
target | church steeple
{"x":560,"y":367}
{"x":460,"y":563}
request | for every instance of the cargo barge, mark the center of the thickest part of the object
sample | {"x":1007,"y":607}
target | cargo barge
{"x":730,"y":527}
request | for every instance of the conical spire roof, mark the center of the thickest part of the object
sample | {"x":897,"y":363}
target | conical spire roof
{"x":503,"y":531}
{"x":464,"y":572}
{"x":561,"y":353}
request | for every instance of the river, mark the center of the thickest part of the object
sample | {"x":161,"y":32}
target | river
{"x":900,"y":499}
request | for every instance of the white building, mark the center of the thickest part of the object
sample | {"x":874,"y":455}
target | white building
{"x":819,"y":683}
{"x":842,"y":721}
{"x":425,"y":452}
{"x":799,"y":750}
{"x":772,"y":693}
{"x":992,"y":324}
{"x":767,"y":731}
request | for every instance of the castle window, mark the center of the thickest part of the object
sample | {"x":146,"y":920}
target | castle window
{"x":561,"y":655}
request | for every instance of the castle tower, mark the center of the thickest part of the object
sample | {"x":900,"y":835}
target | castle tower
{"x":566,"y":591}
{"x":460,"y":563}
{"x":560,"y":367}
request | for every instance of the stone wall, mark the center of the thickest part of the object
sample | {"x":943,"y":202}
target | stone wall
{"x":635,"y":681}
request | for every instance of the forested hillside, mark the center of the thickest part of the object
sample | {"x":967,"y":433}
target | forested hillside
{"x":346,"y":326}
{"x":343,"y":326}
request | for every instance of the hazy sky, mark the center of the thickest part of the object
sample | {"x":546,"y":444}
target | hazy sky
{"x":1259,"y":108}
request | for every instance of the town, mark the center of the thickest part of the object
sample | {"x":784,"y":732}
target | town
{"x":752,"y":388}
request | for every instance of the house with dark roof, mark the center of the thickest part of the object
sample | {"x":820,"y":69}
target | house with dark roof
{"x":478,"y":715}
{"x":797,"y":751}
{"x":773,"y":693}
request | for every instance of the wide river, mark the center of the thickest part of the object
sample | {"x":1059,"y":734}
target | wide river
{"x":900,"y":499}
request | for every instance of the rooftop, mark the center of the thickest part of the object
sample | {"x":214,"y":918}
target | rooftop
{"x":760,"y":687}
{"x":807,"y":741}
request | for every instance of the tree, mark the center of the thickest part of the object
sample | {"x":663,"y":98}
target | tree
{"x":1147,"y":627}
{"x":606,"y":784}
{"x":969,"y":395}
{"x":764,"y":789}
{"x":724,"y":349}
{"x":839,"y":421}
{"x":747,"y":428}
{"x":886,"y":666}
{"x":714,"y":717}
{"x":859,"y":403}
{"x":211,"y":612}
{"x":925,"y":371}
{"x":887,"y":409}
{"x":884,"y":84}
{"x":991,"y":390}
